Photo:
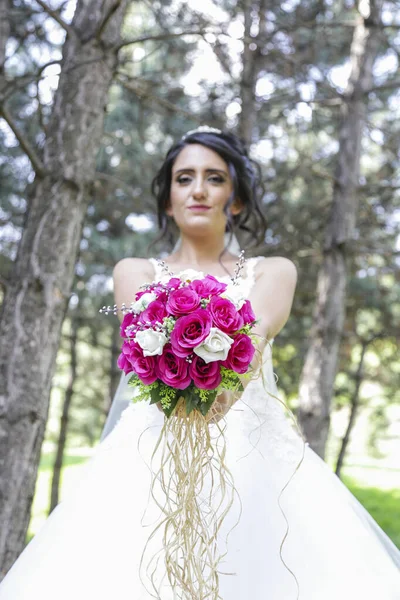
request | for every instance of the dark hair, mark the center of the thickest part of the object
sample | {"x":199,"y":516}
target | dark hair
{"x":246,"y":178}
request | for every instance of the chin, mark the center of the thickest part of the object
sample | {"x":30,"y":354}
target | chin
{"x":202,"y":231}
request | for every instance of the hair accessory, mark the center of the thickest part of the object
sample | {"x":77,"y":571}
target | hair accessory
{"x":202,"y":129}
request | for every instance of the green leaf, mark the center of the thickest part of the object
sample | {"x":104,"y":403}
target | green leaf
{"x":154,"y":395}
{"x":133,"y":380}
{"x":192,"y":400}
{"x":168,"y":411}
{"x":204,"y":407}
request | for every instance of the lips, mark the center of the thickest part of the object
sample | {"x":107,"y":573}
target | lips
{"x":199,"y":207}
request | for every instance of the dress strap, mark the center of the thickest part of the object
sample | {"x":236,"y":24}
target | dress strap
{"x":251,"y":264}
{"x":157,"y":268}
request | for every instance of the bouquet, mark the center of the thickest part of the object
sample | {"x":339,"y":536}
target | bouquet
{"x":186,"y":340}
{"x":189,"y":339}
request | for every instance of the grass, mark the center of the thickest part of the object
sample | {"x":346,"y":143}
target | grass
{"x":377,"y":488}
{"x":383,"y":505}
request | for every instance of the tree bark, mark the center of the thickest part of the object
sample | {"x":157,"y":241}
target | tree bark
{"x":251,"y":67}
{"x":4,"y":35}
{"x":62,"y":438}
{"x":355,"y":400}
{"x":37,"y":297}
{"x":318,"y":375}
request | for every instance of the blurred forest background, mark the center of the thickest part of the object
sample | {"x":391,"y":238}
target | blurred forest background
{"x":91,"y":97}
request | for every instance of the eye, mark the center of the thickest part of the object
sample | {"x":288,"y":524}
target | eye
{"x":183,"y":179}
{"x":216,"y":179}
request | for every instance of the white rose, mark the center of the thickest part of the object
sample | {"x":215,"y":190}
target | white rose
{"x":235,"y":295}
{"x":151,"y":342}
{"x":143,"y":302}
{"x":190,"y":275}
{"x":215,"y":347}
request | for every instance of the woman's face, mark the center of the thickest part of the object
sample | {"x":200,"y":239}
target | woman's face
{"x":200,"y":188}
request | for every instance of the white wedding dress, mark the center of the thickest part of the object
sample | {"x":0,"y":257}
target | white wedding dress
{"x":90,"y":547}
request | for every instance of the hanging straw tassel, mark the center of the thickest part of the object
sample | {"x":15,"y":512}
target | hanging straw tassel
{"x":197,"y":492}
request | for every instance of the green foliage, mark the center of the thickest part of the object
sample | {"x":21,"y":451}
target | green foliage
{"x":195,"y":398}
{"x":383,"y":505}
{"x":230,"y":381}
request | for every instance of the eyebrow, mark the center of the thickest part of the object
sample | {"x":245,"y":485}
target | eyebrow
{"x":189,"y":170}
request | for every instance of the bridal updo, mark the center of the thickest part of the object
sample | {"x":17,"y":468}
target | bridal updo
{"x":246,"y":178}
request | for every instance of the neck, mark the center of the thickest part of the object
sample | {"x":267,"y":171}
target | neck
{"x":200,"y":253}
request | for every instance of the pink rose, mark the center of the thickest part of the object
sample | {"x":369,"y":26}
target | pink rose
{"x":153,"y":313}
{"x":130,"y":352}
{"x":225,"y":315}
{"x":129,"y":319}
{"x":182,"y":301}
{"x":247,"y":313}
{"x":162,"y":295}
{"x":162,"y":289}
{"x":206,"y":376}
{"x":208,"y":286}
{"x":240,"y":354}
{"x":141,"y":293}
{"x":190,"y":331}
{"x":152,"y":287}
{"x":124,"y":364}
{"x":145,"y":369}
{"x":173,"y":283}
{"x":172,"y":369}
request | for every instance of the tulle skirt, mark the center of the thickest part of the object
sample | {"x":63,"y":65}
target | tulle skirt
{"x":91,"y":546}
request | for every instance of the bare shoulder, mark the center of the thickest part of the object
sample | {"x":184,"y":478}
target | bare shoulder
{"x":133,"y":267}
{"x":277,"y":265}
{"x":272,"y":298}
{"x":129,"y":274}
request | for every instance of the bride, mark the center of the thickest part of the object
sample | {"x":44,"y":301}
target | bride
{"x":297,"y":532}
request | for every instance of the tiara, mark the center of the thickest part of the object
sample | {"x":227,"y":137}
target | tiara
{"x":201,"y":129}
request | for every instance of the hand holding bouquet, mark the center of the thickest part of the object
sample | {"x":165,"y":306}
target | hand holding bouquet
{"x":189,"y":338}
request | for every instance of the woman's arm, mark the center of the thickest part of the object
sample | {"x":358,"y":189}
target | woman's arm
{"x":129,"y":274}
{"x":271,"y":299}
{"x":272,"y":296}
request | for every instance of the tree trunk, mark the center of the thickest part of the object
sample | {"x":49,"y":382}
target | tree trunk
{"x":36,"y":299}
{"x":355,"y":400}
{"x":318,"y":375}
{"x":251,"y":68}
{"x":62,"y":438}
{"x":4,"y":34}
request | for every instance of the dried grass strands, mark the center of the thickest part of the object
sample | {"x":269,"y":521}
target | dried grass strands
{"x":194,"y":490}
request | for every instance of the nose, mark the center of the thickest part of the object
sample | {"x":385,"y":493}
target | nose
{"x":199,"y":191}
